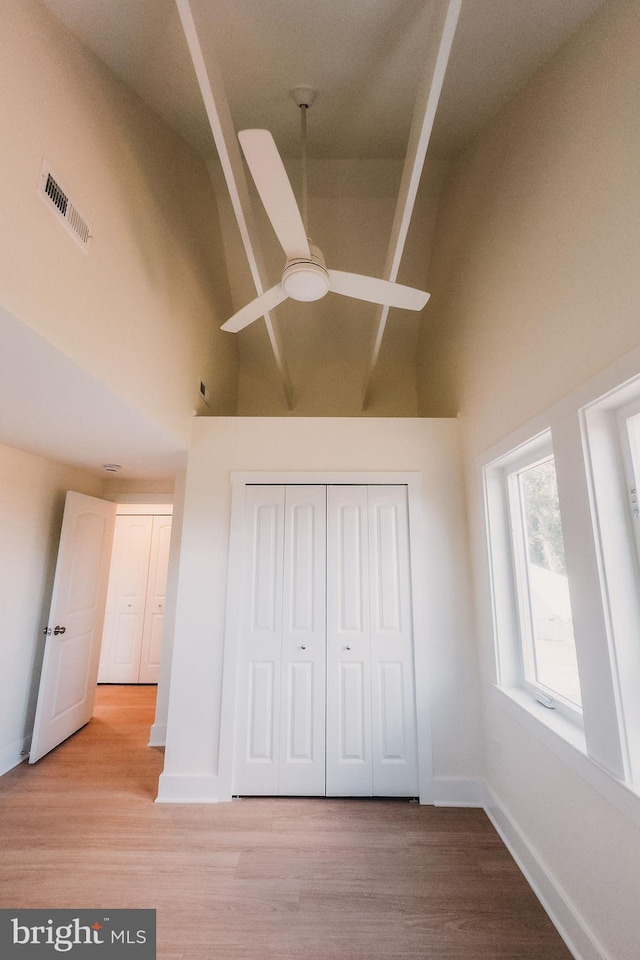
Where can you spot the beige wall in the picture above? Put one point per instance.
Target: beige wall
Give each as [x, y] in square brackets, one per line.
[140, 310]
[32, 494]
[535, 288]
[534, 278]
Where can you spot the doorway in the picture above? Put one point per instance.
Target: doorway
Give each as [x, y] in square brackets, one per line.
[134, 615]
[67, 687]
[326, 684]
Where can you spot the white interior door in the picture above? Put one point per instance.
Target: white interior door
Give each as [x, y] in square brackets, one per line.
[302, 718]
[257, 751]
[134, 618]
[280, 733]
[349, 750]
[74, 631]
[326, 701]
[155, 600]
[126, 600]
[393, 712]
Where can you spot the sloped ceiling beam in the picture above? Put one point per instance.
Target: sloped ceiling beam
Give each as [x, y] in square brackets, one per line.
[445, 21]
[224, 134]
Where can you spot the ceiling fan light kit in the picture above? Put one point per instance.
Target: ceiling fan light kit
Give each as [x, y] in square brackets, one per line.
[305, 276]
[307, 280]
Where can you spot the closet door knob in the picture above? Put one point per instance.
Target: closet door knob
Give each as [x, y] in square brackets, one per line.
[303, 647]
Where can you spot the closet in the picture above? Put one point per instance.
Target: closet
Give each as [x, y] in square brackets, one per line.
[326, 698]
[132, 637]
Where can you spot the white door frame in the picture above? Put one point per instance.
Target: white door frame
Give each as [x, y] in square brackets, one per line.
[413, 482]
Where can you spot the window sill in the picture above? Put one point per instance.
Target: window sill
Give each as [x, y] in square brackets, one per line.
[567, 741]
[554, 720]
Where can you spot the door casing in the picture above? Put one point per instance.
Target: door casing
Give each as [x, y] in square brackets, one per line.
[239, 482]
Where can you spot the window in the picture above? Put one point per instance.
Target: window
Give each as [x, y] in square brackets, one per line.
[611, 439]
[563, 539]
[535, 646]
[546, 626]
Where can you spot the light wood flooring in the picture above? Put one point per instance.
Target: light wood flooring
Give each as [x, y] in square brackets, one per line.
[258, 879]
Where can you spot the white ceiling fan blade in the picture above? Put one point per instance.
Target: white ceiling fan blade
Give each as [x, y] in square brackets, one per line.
[256, 309]
[270, 176]
[377, 291]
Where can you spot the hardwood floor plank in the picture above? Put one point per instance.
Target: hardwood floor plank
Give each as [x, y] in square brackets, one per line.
[258, 879]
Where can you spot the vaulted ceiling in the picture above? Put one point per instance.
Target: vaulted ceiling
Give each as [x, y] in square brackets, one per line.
[368, 61]
[364, 58]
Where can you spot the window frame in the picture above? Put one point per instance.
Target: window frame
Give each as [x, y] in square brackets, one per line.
[527, 633]
[510, 593]
[612, 458]
[630, 466]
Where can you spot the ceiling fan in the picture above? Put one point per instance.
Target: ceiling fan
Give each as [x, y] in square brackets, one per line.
[305, 276]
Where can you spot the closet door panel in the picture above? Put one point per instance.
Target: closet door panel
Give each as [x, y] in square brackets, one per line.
[260, 740]
[155, 600]
[257, 751]
[349, 759]
[395, 771]
[302, 733]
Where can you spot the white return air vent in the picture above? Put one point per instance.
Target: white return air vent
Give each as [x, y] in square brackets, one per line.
[58, 200]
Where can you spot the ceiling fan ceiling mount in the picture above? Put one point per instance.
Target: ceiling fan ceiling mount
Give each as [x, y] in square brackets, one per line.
[303, 95]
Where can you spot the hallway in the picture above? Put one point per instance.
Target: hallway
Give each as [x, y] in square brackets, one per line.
[257, 879]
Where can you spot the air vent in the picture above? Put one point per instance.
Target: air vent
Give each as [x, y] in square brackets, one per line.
[204, 392]
[58, 200]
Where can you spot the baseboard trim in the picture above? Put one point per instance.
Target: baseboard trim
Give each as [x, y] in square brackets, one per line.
[567, 921]
[174, 788]
[12, 755]
[158, 735]
[456, 792]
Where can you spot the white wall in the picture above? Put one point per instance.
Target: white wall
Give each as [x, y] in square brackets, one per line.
[535, 288]
[224, 445]
[32, 494]
[140, 310]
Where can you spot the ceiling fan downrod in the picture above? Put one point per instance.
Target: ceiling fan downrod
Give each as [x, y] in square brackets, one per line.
[304, 97]
[303, 153]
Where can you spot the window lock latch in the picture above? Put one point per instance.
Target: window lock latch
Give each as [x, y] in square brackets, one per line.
[545, 701]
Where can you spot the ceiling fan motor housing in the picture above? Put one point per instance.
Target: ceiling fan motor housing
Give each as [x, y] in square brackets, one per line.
[306, 279]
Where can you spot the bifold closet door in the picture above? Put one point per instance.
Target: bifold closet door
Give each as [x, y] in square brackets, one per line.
[371, 717]
[132, 638]
[155, 600]
[349, 756]
[126, 599]
[280, 735]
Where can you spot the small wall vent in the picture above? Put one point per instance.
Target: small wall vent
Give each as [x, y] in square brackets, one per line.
[204, 392]
[57, 199]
